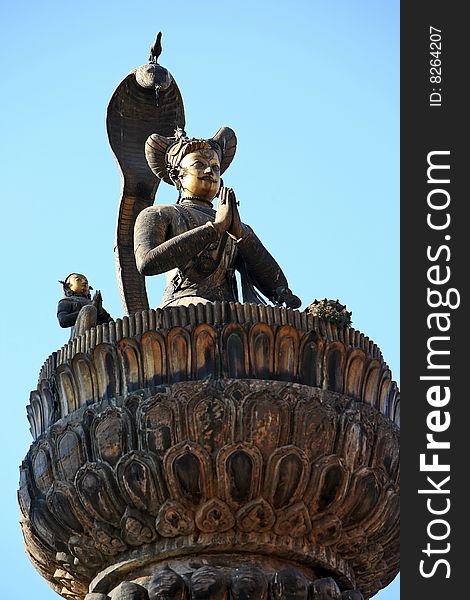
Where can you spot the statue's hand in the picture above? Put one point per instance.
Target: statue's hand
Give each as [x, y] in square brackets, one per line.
[236, 229]
[223, 216]
[97, 300]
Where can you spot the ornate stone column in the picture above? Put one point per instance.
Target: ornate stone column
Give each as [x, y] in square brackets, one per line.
[214, 451]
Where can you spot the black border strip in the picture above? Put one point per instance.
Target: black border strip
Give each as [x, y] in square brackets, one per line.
[430, 124]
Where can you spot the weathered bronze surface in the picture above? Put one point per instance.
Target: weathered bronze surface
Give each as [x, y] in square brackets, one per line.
[179, 435]
[207, 449]
[132, 116]
[199, 248]
[78, 309]
[215, 340]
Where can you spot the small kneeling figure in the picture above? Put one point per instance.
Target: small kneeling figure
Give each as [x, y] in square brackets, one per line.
[78, 309]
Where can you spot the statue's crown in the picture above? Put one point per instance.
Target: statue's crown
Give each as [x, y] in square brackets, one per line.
[165, 153]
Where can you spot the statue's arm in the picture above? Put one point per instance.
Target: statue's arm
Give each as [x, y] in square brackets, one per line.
[155, 254]
[65, 314]
[265, 272]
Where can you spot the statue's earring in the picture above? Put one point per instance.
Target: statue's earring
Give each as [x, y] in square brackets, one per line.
[176, 180]
[173, 174]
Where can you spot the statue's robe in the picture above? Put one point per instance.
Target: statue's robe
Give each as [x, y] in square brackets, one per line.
[180, 241]
[70, 313]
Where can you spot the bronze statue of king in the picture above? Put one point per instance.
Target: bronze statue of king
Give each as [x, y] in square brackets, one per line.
[200, 248]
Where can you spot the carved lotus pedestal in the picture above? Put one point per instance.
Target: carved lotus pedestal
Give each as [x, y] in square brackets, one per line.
[218, 451]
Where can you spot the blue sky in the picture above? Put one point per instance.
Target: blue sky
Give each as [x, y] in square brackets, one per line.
[311, 89]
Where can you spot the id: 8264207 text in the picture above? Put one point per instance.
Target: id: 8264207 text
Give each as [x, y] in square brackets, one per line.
[435, 66]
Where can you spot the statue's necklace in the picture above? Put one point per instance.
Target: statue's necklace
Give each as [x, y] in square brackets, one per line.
[189, 202]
